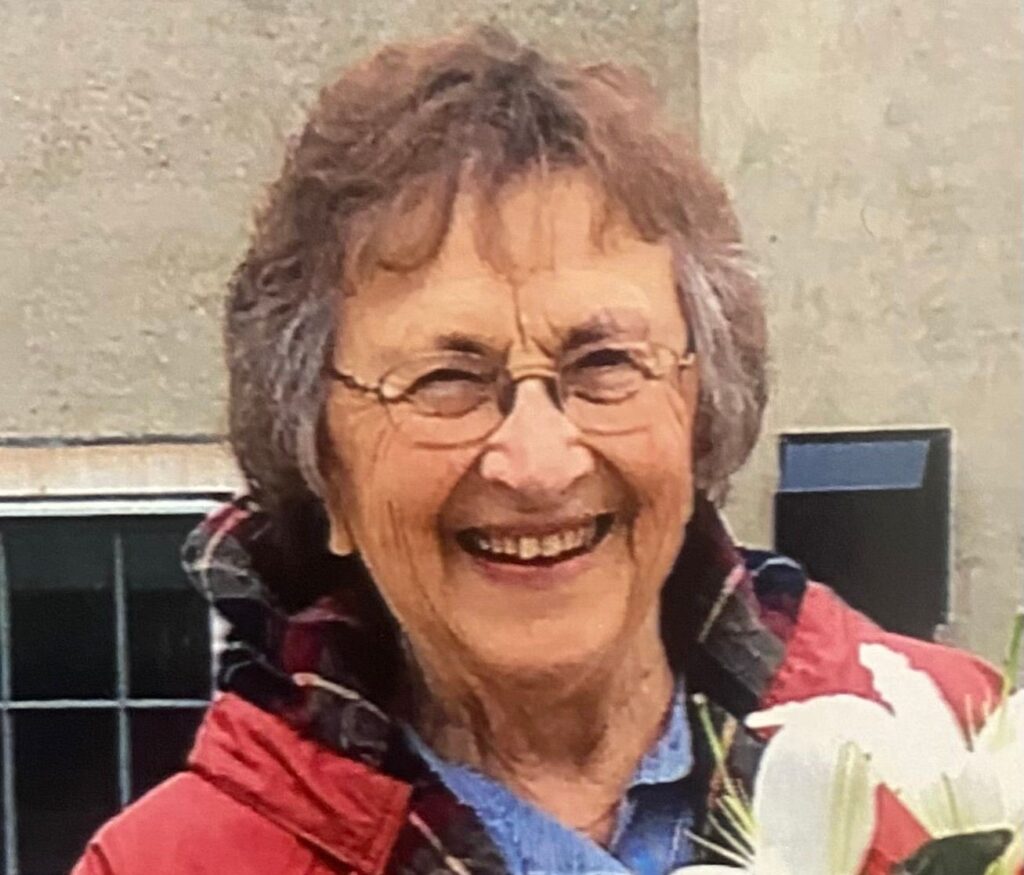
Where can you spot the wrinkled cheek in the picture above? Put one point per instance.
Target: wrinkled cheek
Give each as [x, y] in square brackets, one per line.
[405, 492]
[400, 551]
[400, 499]
[656, 463]
[657, 460]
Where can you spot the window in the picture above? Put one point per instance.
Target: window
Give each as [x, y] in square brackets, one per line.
[868, 512]
[105, 666]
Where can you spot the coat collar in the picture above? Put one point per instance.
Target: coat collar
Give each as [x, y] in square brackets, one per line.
[342, 807]
[726, 617]
[330, 668]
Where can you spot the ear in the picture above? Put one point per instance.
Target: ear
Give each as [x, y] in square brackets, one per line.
[339, 535]
[689, 386]
[701, 445]
[340, 541]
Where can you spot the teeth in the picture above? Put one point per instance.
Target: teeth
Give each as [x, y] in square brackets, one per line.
[530, 547]
[550, 545]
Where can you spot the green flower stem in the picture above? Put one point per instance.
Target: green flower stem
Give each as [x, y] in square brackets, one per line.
[733, 801]
[1011, 665]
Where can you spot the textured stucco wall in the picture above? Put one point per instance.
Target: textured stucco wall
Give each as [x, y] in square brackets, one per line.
[875, 151]
[135, 137]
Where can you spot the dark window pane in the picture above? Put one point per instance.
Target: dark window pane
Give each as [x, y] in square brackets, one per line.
[66, 784]
[168, 621]
[62, 607]
[3, 810]
[161, 741]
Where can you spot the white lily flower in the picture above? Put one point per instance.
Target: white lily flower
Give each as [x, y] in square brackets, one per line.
[951, 783]
[813, 810]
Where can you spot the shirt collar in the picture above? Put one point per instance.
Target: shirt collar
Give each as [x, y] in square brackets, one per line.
[671, 757]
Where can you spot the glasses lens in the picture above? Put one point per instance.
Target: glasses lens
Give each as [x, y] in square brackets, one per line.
[436, 431]
[443, 399]
[603, 386]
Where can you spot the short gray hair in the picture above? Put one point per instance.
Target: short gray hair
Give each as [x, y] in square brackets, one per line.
[391, 138]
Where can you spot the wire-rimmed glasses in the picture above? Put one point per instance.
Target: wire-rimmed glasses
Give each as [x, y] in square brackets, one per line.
[447, 398]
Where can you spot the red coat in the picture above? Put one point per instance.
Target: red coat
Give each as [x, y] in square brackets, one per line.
[259, 798]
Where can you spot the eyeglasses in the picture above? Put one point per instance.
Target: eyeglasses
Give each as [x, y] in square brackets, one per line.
[445, 399]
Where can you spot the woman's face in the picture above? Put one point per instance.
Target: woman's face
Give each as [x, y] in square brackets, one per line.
[456, 537]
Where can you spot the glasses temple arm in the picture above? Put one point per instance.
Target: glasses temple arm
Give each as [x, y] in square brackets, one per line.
[350, 381]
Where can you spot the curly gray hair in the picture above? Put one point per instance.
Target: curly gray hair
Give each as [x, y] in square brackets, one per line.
[386, 145]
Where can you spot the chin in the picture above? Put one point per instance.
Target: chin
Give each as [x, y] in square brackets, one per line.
[570, 646]
[532, 619]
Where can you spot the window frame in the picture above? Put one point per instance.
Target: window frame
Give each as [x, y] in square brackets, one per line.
[188, 502]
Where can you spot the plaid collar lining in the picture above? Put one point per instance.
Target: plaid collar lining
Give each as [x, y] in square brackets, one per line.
[329, 668]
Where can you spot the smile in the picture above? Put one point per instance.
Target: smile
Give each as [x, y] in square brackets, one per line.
[541, 547]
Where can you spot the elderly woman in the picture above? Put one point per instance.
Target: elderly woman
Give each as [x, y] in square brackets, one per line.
[494, 354]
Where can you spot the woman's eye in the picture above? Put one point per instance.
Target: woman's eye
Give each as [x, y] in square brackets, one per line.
[604, 375]
[608, 357]
[446, 378]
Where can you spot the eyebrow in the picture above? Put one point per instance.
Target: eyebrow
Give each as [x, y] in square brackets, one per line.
[605, 325]
[457, 341]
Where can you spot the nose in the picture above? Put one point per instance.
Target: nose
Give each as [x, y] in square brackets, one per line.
[536, 450]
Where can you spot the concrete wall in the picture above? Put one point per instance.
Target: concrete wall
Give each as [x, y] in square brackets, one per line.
[135, 138]
[873, 149]
[875, 152]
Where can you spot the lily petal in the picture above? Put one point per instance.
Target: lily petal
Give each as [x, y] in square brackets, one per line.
[823, 825]
[844, 718]
[840, 747]
[841, 716]
[964, 801]
[1001, 744]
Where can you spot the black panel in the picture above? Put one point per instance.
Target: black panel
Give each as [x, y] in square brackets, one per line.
[168, 621]
[884, 548]
[66, 784]
[62, 607]
[161, 741]
[3, 809]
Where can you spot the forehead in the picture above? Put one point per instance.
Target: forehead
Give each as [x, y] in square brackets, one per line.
[547, 256]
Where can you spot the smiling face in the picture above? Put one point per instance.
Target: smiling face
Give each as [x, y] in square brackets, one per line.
[542, 546]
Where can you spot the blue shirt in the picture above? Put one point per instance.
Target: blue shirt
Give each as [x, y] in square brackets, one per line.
[650, 834]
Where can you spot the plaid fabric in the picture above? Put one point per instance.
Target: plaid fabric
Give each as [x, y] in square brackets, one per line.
[334, 668]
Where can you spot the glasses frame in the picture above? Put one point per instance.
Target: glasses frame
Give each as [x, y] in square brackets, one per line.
[508, 381]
